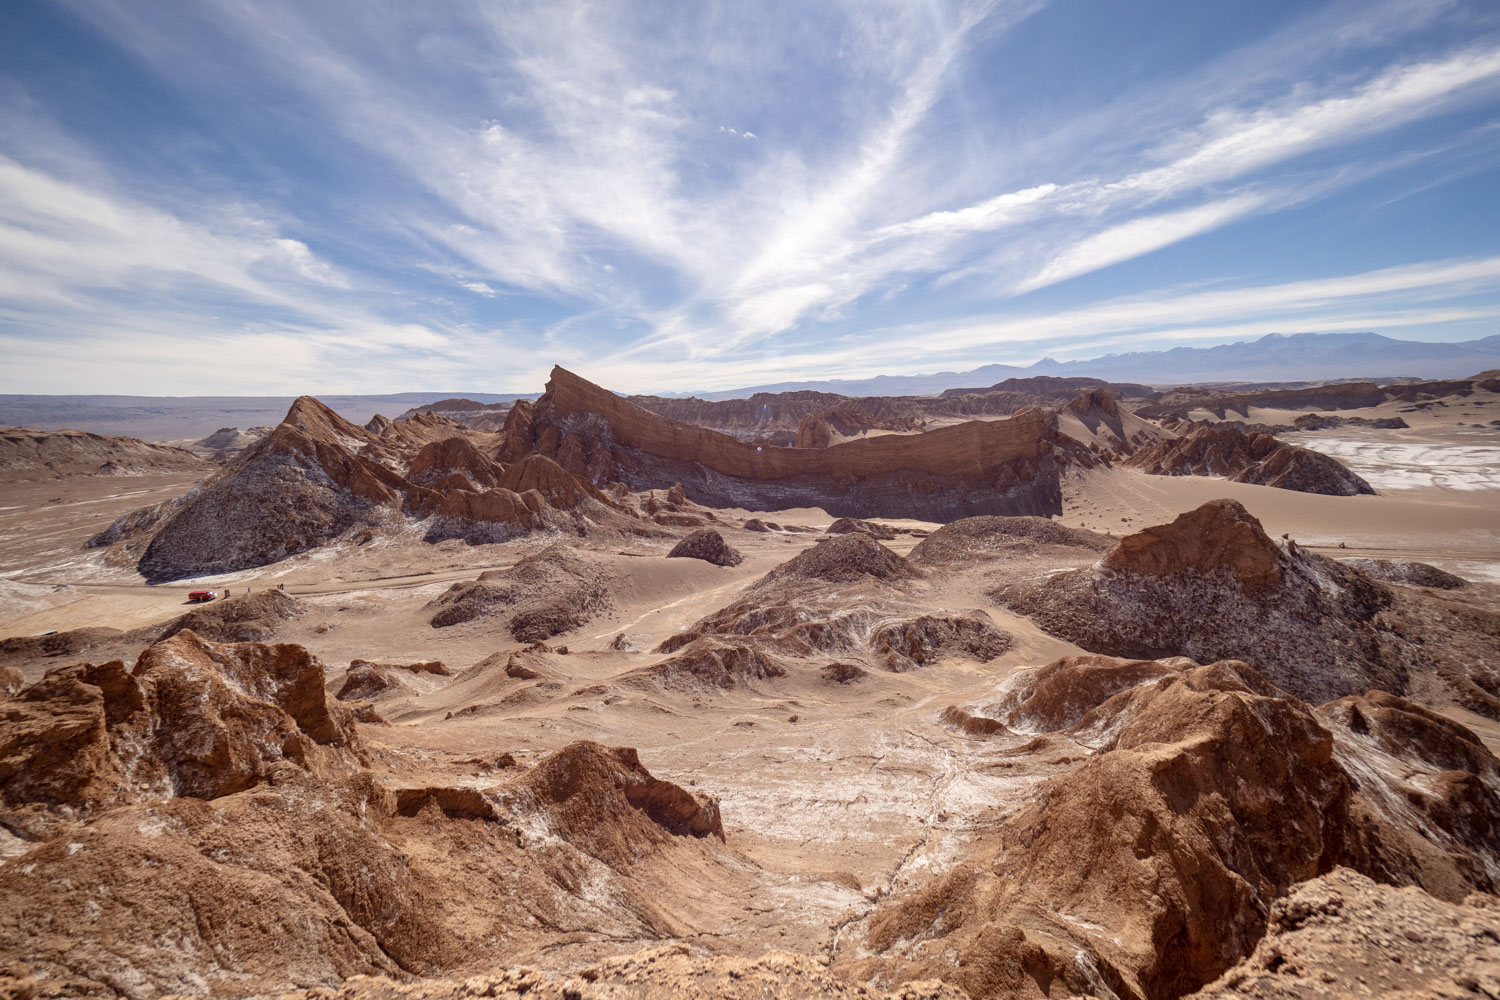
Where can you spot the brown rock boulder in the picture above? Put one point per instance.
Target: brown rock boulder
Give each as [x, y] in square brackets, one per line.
[708, 545]
[1220, 536]
[845, 525]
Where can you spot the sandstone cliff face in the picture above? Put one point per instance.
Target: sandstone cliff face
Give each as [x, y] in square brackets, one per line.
[1148, 870]
[1249, 458]
[1212, 585]
[976, 468]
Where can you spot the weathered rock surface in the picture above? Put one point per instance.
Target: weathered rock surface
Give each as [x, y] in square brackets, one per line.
[1342, 935]
[1416, 574]
[844, 559]
[982, 467]
[1249, 458]
[545, 594]
[453, 456]
[708, 545]
[845, 525]
[1149, 869]
[1212, 585]
[193, 718]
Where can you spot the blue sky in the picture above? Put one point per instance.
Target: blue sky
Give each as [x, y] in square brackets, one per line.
[219, 196]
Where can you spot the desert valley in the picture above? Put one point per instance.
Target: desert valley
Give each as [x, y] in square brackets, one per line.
[1055, 687]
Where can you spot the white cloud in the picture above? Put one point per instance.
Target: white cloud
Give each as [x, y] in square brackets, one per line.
[479, 288]
[1138, 237]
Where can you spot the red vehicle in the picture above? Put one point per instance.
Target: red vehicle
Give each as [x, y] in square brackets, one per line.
[203, 595]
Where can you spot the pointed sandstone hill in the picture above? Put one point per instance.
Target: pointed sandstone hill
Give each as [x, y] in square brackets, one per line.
[1212, 585]
[1249, 458]
[982, 467]
[316, 476]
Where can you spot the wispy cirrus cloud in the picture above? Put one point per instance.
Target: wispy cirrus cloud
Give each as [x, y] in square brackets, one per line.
[579, 182]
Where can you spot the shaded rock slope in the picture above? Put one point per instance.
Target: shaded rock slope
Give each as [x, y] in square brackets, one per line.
[1212, 585]
[1249, 458]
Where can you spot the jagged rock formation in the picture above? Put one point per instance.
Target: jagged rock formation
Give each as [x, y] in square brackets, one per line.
[708, 545]
[301, 486]
[316, 477]
[1340, 935]
[205, 823]
[1148, 870]
[1212, 585]
[799, 610]
[28, 454]
[554, 591]
[983, 467]
[192, 718]
[1095, 420]
[1249, 458]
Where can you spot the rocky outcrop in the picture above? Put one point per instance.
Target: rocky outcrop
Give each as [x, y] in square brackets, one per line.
[1148, 870]
[604, 802]
[545, 594]
[1212, 585]
[28, 454]
[1249, 458]
[982, 467]
[843, 559]
[248, 617]
[454, 456]
[300, 487]
[845, 525]
[1416, 574]
[708, 545]
[193, 718]
[1342, 935]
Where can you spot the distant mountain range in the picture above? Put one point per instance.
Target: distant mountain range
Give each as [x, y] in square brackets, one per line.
[179, 418]
[1273, 358]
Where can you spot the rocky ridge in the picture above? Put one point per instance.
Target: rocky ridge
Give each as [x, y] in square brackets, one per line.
[1212, 585]
[1249, 458]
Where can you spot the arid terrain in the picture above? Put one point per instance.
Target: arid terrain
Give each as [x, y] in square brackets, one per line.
[1054, 688]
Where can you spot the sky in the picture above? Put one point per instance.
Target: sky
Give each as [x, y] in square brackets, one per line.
[224, 197]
